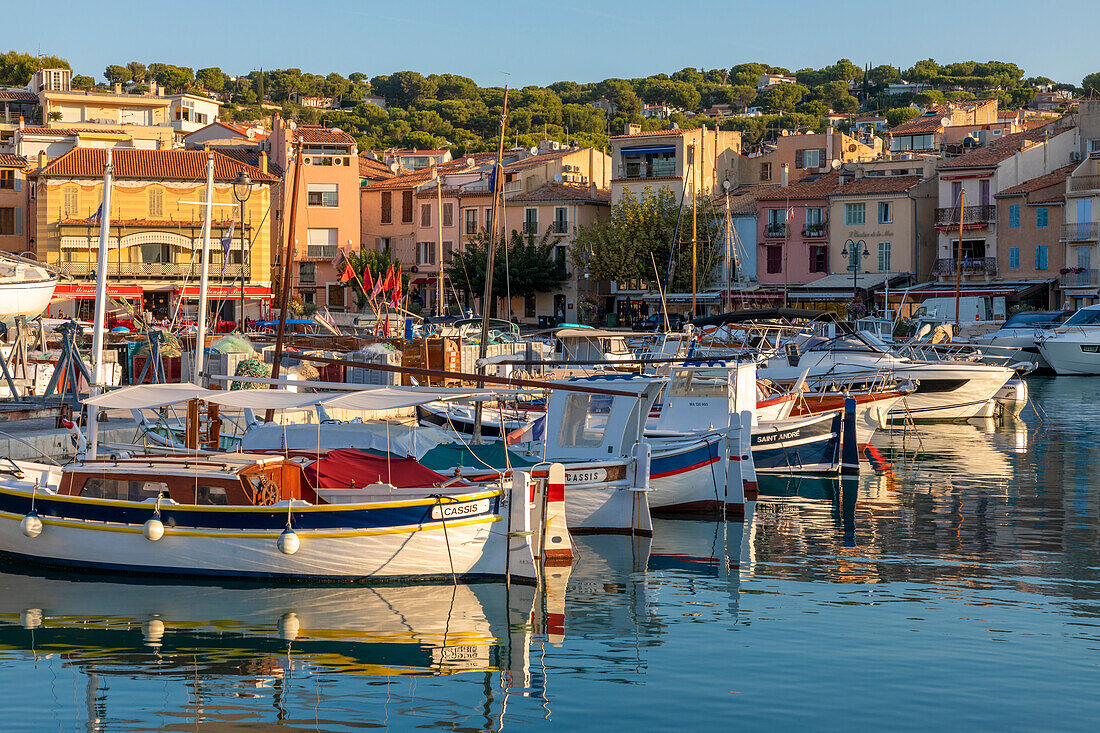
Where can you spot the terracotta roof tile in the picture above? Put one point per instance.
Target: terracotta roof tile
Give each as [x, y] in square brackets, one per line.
[537, 160]
[817, 188]
[373, 169]
[871, 185]
[323, 135]
[188, 165]
[996, 151]
[7, 160]
[18, 95]
[1050, 179]
[40, 130]
[651, 133]
[554, 191]
[414, 179]
[250, 156]
[743, 198]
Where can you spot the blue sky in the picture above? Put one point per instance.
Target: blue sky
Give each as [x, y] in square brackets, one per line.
[539, 43]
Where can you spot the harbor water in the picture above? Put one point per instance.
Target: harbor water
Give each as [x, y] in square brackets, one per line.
[954, 585]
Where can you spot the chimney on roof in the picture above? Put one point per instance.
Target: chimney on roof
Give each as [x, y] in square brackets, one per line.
[117, 87]
[592, 189]
[41, 159]
[860, 172]
[632, 128]
[21, 122]
[785, 174]
[154, 88]
[263, 161]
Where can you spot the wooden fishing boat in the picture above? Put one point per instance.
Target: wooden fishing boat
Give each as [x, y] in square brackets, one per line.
[245, 515]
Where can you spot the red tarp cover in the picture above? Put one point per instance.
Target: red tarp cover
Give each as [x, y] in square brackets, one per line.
[343, 467]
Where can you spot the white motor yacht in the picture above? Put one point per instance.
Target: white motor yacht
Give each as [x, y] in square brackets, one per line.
[946, 389]
[1073, 347]
[25, 287]
[1015, 340]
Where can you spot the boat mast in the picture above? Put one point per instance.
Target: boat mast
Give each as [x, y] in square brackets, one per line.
[284, 284]
[694, 227]
[439, 248]
[729, 251]
[958, 259]
[100, 322]
[204, 270]
[498, 172]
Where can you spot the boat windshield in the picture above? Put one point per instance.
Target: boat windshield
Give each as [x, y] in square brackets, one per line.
[1085, 317]
[584, 420]
[1036, 319]
[691, 383]
[847, 342]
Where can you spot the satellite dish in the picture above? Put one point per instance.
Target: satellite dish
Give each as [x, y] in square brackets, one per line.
[394, 167]
[533, 150]
[726, 185]
[557, 177]
[469, 162]
[835, 163]
[945, 121]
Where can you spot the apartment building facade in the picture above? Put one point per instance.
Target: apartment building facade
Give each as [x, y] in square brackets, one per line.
[15, 227]
[328, 220]
[675, 159]
[156, 230]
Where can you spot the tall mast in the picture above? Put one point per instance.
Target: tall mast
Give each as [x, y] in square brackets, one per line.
[204, 270]
[729, 251]
[490, 255]
[958, 259]
[439, 249]
[694, 225]
[100, 323]
[284, 285]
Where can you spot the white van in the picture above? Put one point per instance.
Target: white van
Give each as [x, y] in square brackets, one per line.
[972, 309]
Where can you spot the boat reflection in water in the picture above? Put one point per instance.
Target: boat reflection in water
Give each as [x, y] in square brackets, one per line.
[263, 635]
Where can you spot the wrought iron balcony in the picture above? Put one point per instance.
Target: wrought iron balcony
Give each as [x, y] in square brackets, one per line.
[970, 266]
[815, 231]
[152, 270]
[776, 231]
[1084, 183]
[971, 215]
[1081, 231]
[1079, 277]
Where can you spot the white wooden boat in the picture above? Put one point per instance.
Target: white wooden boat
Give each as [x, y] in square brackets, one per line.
[25, 288]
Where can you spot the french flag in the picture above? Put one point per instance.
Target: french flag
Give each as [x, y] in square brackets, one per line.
[534, 430]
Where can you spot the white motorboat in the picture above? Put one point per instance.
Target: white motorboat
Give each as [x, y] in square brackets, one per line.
[946, 389]
[25, 287]
[1016, 339]
[1073, 347]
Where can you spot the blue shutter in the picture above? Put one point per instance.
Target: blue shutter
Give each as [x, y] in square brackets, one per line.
[18, 218]
[18, 180]
[1013, 258]
[1014, 215]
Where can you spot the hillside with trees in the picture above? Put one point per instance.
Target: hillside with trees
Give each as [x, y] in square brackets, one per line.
[453, 111]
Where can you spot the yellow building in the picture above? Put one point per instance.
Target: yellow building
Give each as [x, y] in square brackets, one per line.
[156, 228]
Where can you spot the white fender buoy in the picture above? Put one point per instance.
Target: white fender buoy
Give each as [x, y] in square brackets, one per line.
[31, 618]
[153, 529]
[31, 524]
[289, 542]
[153, 631]
[288, 626]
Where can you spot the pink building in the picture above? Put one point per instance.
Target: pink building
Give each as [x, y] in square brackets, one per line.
[792, 231]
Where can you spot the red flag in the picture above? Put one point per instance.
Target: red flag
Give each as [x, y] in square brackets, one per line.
[348, 273]
[397, 289]
[377, 286]
[368, 282]
[388, 285]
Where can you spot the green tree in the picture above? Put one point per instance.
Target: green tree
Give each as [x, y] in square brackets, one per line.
[929, 98]
[641, 232]
[846, 104]
[1091, 85]
[137, 71]
[116, 74]
[82, 82]
[898, 115]
[529, 266]
[781, 97]
[16, 69]
[881, 76]
[211, 78]
[378, 263]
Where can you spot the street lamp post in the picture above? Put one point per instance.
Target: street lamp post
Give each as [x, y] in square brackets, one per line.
[242, 191]
[855, 261]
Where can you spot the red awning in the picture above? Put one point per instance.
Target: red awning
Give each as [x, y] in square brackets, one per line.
[932, 292]
[191, 292]
[346, 467]
[66, 291]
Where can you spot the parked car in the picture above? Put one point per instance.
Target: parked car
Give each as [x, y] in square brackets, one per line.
[656, 322]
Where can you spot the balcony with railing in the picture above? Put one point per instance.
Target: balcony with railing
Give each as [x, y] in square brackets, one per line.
[1084, 183]
[1079, 277]
[815, 231]
[646, 169]
[1081, 231]
[152, 270]
[972, 216]
[776, 231]
[321, 251]
[970, 266]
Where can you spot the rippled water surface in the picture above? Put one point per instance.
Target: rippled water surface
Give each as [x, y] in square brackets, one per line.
[953, 586]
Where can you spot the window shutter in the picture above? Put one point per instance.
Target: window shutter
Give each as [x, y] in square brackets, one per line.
[18, 217]
[18, 180]
[822, 161]
[798, 159]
